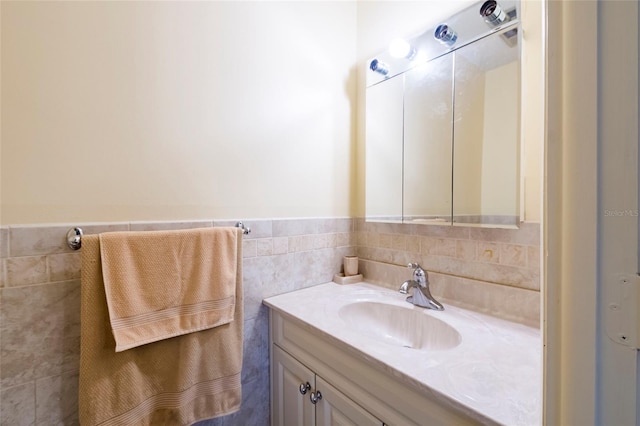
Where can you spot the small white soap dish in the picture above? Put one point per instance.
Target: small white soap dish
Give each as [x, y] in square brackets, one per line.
[341, 279]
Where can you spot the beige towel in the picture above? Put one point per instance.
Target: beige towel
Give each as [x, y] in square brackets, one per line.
[176, 381]
[167, 283]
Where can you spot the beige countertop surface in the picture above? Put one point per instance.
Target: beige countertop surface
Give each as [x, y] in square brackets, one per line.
[494, 373]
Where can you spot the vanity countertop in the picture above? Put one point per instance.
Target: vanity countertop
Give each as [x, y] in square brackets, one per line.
[494, 374]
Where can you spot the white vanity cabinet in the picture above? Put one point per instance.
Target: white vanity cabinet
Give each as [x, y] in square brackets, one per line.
[354, 391]
[294, 387]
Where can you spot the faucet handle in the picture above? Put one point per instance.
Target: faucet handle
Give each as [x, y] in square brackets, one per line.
[419, 275]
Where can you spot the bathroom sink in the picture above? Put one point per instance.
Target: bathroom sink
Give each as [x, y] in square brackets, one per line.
[395, 325]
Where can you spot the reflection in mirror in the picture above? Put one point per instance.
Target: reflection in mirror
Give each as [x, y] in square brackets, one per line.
[427, 141]
[486, 131]
[384, 150]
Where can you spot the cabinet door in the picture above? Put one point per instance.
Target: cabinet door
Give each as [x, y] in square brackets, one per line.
[290, 407]
[335, 409]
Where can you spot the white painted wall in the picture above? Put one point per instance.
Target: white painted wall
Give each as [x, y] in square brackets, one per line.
[617, 203]
[176, 110]
[591, 167]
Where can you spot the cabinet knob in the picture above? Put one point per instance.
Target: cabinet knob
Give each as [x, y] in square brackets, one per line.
[315, 397]
[304, 388]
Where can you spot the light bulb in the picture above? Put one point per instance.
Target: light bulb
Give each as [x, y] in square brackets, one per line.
[399, 48]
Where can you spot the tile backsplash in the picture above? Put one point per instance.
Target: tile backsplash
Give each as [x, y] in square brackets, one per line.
[490, 270]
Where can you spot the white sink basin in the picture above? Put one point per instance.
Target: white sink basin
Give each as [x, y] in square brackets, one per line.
[395, 325]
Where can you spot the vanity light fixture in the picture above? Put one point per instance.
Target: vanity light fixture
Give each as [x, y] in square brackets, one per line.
[379, 67]
[445, 35]
[400, 48]
[493, 13]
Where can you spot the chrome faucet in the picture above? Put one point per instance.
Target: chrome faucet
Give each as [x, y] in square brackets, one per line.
[421, 295]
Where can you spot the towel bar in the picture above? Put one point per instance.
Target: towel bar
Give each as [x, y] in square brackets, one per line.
[74, 235]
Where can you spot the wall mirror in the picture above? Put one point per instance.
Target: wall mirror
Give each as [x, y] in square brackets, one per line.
[443, 123]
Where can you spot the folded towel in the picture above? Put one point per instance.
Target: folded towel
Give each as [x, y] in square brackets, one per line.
[176, 381]
[167, 283]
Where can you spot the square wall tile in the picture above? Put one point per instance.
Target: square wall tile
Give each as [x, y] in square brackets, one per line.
[64, 267]
[527, 234]
[446, 247]
[335, 225]
[466, 250]
[443, 231]
[390, 228]
[249, 248]
[218, 421]
[373, 240]
[26, 270]
[510, 303]
[3, 273]
[279, 275]
[57, 400]
[38, 240]
[40, 327]
[18, 405]
[290, 227]
[280, 245]
[513, 255]
[429, 245]
[255, 408]
[264, 246]
[42, 240]
[99, 228]
[299, 243]
[386, 240]
[413, 244]
[4, 242]
[533, 257]
[255, 272]
[488, 252]
[256, 347]
[399, 242]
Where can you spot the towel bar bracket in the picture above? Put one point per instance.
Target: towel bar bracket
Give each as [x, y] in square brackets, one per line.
[74, 238]
[245, 229]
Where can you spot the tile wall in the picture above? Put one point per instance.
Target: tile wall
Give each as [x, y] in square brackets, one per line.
[40, 308]
[491, 270]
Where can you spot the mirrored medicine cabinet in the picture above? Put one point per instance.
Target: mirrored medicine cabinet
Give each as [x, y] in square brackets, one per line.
[443, 123]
